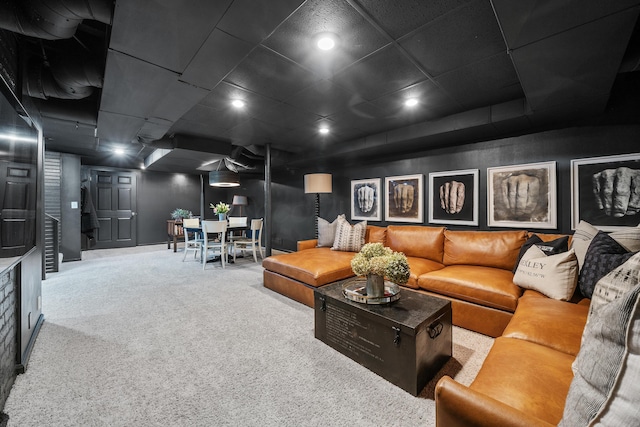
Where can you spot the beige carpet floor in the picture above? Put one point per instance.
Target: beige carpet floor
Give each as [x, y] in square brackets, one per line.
[136, 337]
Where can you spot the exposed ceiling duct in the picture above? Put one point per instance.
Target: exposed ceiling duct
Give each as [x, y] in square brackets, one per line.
[52, 19]
[65, 78]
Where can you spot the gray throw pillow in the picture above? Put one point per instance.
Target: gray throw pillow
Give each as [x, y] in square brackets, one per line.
[327, 231]
[606, 385]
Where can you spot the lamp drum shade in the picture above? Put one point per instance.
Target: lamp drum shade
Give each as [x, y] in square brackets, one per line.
[224, 178]
[318, 183]
[239, 201]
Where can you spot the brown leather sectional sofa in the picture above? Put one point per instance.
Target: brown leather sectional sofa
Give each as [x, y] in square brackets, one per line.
[473, 269]
[526, 376]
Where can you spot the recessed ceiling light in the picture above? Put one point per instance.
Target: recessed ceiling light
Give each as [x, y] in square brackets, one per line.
[411, 102]
[326, 43]
[324, 130]
[238, 103]
[118, 151]
[326, 40]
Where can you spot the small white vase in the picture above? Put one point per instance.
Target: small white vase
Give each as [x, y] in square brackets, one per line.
[222, 217]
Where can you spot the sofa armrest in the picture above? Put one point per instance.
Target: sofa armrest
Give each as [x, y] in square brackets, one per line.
[307, 244]
[458, 405]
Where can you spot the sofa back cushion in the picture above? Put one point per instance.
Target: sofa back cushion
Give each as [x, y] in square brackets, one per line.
[498, 249]
[376, 234]
[417, 241]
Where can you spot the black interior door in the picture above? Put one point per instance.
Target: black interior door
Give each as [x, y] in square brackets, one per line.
[17, 215]
[114, 197]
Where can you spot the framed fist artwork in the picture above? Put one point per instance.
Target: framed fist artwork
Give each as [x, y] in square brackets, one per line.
[453, 197]
[404, 198]
[522, 196]
[365, 199]
[605, 191]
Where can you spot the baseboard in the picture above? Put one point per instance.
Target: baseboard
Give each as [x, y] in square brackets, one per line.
[21, 367]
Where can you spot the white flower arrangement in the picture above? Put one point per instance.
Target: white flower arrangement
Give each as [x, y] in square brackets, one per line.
[375, 258]
[220, 208]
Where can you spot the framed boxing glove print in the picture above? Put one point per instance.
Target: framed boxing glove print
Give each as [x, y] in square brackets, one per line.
[522, 196]
[453, 197]
[605, 191]
[366, 203]
[404, 198]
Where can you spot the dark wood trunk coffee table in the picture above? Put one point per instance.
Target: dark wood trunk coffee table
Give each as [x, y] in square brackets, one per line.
[406, 341]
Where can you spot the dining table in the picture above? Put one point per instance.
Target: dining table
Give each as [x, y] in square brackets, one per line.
[231, 228]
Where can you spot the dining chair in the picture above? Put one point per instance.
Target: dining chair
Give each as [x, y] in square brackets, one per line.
[237, 226]
[192, 240]
[252, 241]
[214, 234]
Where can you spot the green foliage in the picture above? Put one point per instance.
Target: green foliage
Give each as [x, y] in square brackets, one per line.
[179, 213]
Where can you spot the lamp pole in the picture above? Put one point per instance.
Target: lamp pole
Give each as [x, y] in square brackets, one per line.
[317, 183]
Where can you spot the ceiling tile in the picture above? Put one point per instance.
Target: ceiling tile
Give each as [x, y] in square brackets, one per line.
[524, 22]
[400, 17]
[153, 129]
[254, 132]
[125, 92]
[221, 119]
[167, 34]
[220, 54]
[364, 115]
[221, 96]
[324, 98]
[432, 102]
[296, 36]
[576, 65]
[306, 140]
[385, 71]
[253, 21]
[179, 97]
[467, 35]
[205, 129]
[271, 75]
[118, 127]
[490, 81]
[287, 116]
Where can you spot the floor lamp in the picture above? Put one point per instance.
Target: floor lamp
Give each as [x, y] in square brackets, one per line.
[240, 201]
[317, 183]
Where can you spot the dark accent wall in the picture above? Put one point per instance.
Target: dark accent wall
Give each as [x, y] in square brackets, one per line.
[70, 214]
[293, 210]
[158, 195]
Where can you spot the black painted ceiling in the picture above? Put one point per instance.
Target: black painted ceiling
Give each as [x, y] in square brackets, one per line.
[480, 68]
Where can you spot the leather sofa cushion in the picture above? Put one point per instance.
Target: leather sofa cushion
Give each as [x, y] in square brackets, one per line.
[315, 267]
[307, 244]
[497, 249]
[419, 266]
[530, 377]
[549, 322]
[491, 287]
[417, 241]
[376, 234]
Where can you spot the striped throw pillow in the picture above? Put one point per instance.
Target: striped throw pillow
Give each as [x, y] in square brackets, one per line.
[349, 238]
